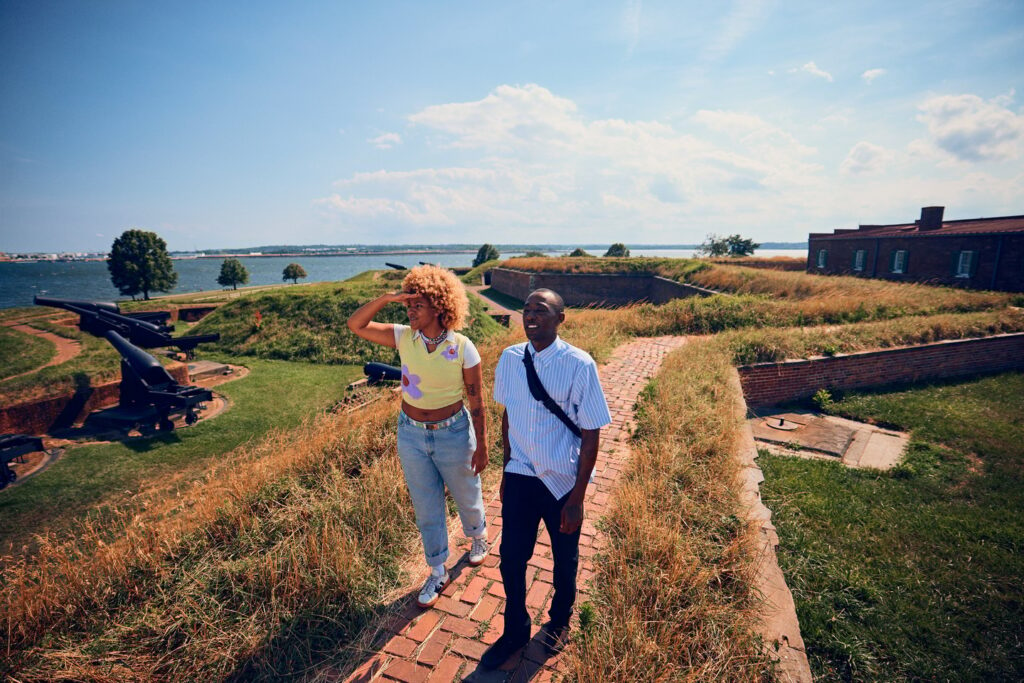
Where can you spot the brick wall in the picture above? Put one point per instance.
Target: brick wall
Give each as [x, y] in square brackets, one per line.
[44, 415]
[768, 384]
[587, 289]
[929, 259]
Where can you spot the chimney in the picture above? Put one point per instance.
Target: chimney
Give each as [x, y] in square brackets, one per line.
[931, 218]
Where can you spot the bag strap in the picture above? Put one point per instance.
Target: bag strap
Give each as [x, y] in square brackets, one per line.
[538, 391]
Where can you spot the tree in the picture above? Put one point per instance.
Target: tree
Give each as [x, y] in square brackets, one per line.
[232, 273]
[617, 249]
[488, 252]
[532, 254]
[293, 271]
[579, 251]
[733, 245]
[139, 264]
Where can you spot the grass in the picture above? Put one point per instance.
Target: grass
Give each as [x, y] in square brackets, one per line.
[766, 345]
[258, 570]
[97, 362]
[109, 473]
[310, 325]
[777, 298]
[23, 352]
[274, 558]
[912, 574]
[674, 596]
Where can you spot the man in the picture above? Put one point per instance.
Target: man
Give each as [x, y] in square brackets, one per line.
[547, 467]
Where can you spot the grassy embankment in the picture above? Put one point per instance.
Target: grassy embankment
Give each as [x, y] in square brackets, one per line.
[23, 352]
[674, 595]
[264, 598]
[93, 478]
[912, 574]
[177, 543]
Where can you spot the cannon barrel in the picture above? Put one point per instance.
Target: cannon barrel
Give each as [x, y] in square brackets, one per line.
[147, 368]
[76, 305]
[396, 266]
[377, 372]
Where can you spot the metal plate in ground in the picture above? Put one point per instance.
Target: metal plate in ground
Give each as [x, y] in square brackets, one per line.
[813, 433]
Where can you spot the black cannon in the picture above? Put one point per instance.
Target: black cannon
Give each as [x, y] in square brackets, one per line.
[396, 266]
[144, 382]
[14, 446]
[379, 372]
[147, 330]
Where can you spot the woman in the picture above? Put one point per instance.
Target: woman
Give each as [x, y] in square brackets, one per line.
[435, 443]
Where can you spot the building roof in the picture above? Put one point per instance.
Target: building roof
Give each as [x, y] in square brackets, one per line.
[971, 226]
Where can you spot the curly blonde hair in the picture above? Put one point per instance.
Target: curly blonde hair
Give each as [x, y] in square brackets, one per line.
[443, 290]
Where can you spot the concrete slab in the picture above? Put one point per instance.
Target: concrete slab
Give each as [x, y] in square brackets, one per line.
[811, 435]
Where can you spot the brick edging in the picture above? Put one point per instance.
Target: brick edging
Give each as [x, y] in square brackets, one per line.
[779, 625]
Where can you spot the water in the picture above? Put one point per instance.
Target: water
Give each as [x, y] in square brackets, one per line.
[90, 280]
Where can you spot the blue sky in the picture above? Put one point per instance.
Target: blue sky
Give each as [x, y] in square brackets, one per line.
[238, 124]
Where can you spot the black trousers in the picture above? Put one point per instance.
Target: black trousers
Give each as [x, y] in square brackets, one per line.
[525, 503]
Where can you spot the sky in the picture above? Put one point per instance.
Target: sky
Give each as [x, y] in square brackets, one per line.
[219, 124]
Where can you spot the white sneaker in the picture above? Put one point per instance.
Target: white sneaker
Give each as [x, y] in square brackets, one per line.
[431, 590]
[479, 551]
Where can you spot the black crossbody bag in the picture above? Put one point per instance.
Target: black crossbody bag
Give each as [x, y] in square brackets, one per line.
[538, 391]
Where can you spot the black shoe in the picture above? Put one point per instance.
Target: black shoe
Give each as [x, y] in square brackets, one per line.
[503, 648]
[554, 637]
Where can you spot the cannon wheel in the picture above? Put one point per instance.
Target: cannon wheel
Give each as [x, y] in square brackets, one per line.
[191, 417]
[165, 424]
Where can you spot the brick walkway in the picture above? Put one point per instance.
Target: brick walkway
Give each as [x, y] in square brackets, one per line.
[445, 643]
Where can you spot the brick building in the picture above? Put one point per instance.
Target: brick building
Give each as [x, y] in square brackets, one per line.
[979, 253]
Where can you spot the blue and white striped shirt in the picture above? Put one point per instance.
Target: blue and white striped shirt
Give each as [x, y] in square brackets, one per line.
[541, 445]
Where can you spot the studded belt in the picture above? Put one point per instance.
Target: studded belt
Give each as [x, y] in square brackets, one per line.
[441, 424]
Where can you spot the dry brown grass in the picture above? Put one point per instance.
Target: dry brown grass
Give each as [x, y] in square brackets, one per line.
[845, 292]
[777, 344]
[793, 263]
[273, 562]
[108, 576]
[675, 597]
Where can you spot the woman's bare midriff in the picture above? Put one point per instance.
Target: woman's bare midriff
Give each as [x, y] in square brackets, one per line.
[432, 414]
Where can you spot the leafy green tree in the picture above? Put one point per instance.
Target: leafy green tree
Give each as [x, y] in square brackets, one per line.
[232, 273]
[733, 245]
[486, 253]
[139, 264]
[293, 271]
[580, 251]
[617, 249]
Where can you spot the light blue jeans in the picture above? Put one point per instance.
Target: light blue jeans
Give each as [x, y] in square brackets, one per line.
[431, 459]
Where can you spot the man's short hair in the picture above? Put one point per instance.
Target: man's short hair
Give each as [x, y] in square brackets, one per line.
[555, 297]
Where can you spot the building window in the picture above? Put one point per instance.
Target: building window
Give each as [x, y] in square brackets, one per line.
[898, 263]
[822, 258]
[965, 263]
[859, 257]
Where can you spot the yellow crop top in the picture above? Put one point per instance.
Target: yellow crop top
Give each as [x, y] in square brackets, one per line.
[433, 379]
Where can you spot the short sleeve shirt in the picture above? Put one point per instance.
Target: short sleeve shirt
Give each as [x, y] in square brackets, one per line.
[541, 445]
[433, 379]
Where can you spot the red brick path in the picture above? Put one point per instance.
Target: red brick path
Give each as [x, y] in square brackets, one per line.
[445, 643]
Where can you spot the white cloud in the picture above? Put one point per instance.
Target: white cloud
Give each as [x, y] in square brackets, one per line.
[865, 157]
[539, 163]
[385, 140]
[532, 167]
[871, 74]
[970, 129]
[812, 68]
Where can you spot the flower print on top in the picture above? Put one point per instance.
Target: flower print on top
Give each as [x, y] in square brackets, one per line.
[411, 383]
[451, 352]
